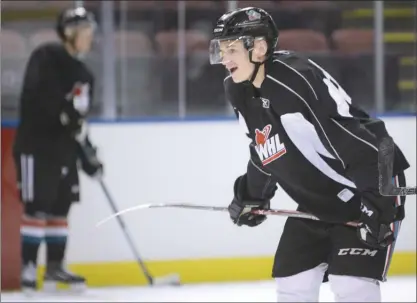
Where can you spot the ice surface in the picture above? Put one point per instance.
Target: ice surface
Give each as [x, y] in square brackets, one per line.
[395, 290]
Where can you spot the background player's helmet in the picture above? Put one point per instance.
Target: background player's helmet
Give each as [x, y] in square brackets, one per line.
[244, 24]
[74, 17]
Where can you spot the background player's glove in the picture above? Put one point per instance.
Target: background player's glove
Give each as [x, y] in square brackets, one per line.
[240, 208]
[87, 154]
[376, 216]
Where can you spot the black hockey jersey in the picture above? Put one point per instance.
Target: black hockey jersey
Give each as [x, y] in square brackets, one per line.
[54, 82]
[306, 135]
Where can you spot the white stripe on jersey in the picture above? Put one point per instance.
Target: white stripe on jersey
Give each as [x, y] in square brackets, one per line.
[312, 112]
[27, 175]
[298, 73]
[304, 136]
[354, 136]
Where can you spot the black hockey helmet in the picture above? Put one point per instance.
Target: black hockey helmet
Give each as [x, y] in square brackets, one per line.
[73, 17]
[246, 24]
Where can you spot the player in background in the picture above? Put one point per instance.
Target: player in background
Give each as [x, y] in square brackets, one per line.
[306, 136]
[52, 138]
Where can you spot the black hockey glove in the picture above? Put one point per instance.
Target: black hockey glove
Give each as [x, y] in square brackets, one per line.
[240, 208]
[377, 213]
[87, 154]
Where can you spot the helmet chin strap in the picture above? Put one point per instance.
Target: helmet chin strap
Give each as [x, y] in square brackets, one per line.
[256, 69]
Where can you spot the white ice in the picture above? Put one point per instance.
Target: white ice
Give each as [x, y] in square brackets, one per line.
[396, 289]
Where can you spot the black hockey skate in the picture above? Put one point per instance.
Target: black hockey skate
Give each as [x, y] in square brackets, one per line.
[28, 282]
[57, 277]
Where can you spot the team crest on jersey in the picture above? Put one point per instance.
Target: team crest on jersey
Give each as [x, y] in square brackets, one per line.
[80, 96]
[268, 149]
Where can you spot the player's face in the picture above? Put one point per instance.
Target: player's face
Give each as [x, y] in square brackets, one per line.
[236, 60]
[84, 38]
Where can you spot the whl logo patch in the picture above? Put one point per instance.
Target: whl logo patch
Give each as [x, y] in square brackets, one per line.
[268, 149]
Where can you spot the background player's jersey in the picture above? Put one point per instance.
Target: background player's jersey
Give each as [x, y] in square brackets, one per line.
[307, 137]
[54, 82]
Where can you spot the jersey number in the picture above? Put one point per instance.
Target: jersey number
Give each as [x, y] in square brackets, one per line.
[338, 94]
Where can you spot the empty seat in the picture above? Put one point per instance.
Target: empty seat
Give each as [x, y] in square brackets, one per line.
[348, 41]
[302, 40]
[296, 4]
[167, 42]
[164, 4]
[96, 4]
[137, 5]
[134, 69]
[58, 5]
[261, 4]
[36, 5]
[12, 44]
[42, 36]
[191, 4]
[322, 16]
[196, 42]
[130, 44]
[9, 5]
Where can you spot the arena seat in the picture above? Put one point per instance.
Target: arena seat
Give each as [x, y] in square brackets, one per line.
[302, 40]
[13, 44]
[167, 42]
[14, 54]
[348, 41]
[42, 36]
[132, 44]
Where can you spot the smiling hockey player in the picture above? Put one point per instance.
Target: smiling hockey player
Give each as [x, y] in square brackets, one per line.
[306, 136]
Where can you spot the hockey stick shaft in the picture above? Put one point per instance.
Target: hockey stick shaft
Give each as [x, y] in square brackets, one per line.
[126, 233]
[272, 212]
[386, 153]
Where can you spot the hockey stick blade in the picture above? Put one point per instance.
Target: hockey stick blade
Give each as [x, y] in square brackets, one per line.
[274, 212]
[386, 153]
[172, 279]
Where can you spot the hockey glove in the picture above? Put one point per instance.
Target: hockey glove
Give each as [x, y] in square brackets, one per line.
[374, 227]
[240, 208]
[87, 154]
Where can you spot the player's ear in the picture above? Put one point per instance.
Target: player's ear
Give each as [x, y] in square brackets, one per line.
[260, 48]
[69, 32]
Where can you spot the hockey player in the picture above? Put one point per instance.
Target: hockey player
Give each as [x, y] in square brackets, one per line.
[51, 137]
[306, 136]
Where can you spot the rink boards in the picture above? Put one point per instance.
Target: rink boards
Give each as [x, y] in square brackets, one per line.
[194, 162]
[206, 270]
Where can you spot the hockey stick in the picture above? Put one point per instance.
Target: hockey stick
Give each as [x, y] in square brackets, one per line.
[274, 212]
[172, 279]
[386, 168]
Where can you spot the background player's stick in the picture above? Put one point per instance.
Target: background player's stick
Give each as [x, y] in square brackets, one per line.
[386, 168]
[172, 279]
[275, 212]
